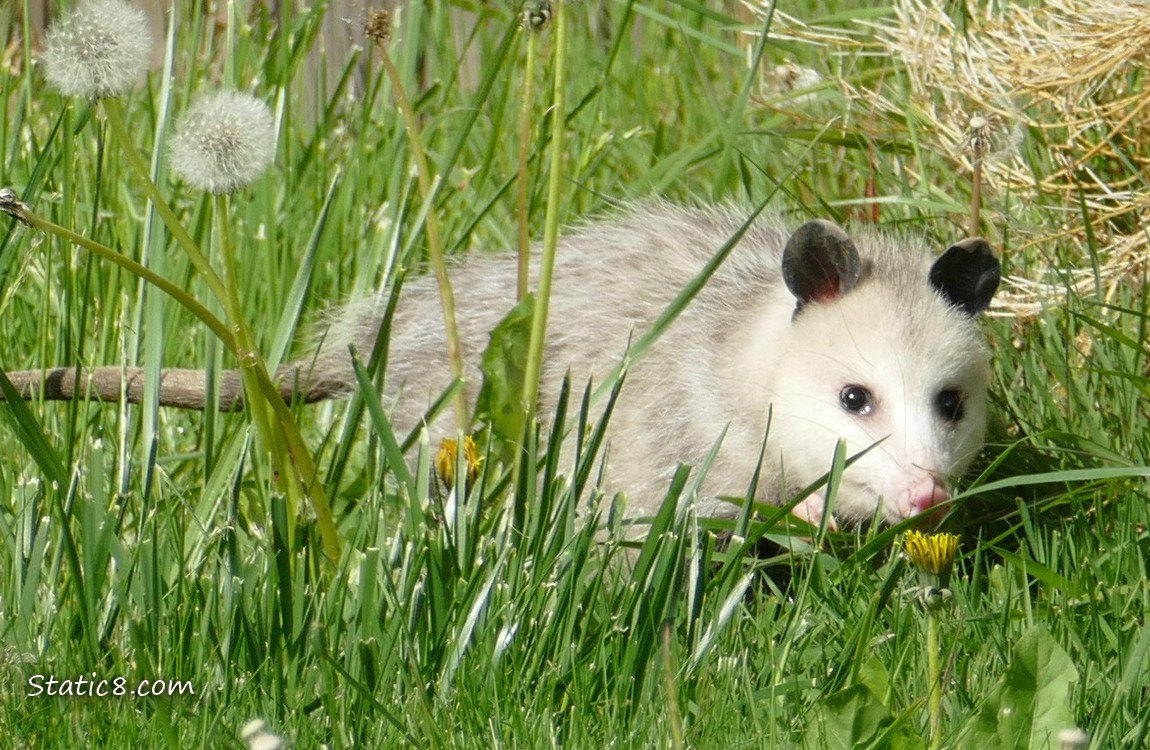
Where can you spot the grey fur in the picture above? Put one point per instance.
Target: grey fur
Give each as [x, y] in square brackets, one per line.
[738, 349]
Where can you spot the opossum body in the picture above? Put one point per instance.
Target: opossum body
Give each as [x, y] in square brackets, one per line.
[864, 340]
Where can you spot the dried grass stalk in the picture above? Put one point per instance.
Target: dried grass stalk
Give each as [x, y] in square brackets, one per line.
[1069, 70]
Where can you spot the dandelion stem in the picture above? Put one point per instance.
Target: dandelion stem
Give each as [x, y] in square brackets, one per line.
[289, 452]
[248, 362]
[301, 468]
[434, 243]
[551, 225]
[524, 153]
[189, 303]
[300, 457]
[303, 463]
[933, 555]
[934, 673]
[976, 198]
[115, 118]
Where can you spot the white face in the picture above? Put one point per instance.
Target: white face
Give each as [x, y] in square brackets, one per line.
[867, 371]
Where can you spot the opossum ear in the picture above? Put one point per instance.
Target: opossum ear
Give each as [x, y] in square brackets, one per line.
[967, 275]
[820, 263]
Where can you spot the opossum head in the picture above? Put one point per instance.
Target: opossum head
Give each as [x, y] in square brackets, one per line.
[883, 352]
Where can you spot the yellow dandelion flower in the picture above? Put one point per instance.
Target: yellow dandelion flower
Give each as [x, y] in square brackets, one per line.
[932, 553]
[448, 455]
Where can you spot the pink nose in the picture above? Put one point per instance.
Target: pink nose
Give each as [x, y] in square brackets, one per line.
[923, 496]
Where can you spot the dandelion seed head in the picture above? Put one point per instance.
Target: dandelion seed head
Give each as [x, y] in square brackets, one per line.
[266, 742]
[99, 49]
[1073, 739]
[252, 728]
[790, 81]
[990, 136]
[979, 138]
[791, 77]
[224, 143]
[378, 27]
[256, 736]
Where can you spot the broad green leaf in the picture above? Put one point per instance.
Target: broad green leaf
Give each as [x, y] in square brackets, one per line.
[848, 719]
[503, 366]
[1030, 705]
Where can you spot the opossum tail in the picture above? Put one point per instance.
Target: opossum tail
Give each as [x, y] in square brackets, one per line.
[180, 388]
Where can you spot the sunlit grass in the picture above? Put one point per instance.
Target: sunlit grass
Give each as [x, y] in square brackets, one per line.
[148, 544]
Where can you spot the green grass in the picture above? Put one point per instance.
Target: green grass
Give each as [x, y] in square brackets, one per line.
[152, 544]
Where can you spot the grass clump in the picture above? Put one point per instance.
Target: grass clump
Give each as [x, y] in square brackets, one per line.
[144, 544]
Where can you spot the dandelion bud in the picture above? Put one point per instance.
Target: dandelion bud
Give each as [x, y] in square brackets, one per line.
[448, 454]
[536, 15]
[99, 49]
[224, 143]
[13, 206]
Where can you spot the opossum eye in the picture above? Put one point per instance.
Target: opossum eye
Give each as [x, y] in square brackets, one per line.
[856, 400]
[949, 404]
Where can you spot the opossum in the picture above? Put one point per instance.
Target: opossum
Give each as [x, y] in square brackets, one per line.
[864, 339]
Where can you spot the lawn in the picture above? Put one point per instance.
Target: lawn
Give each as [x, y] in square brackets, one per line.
[168, 576]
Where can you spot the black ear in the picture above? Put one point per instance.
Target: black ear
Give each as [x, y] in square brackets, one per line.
[967, 275]
[820, 263]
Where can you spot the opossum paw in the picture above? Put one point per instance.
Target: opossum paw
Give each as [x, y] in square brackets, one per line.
[811, 509]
